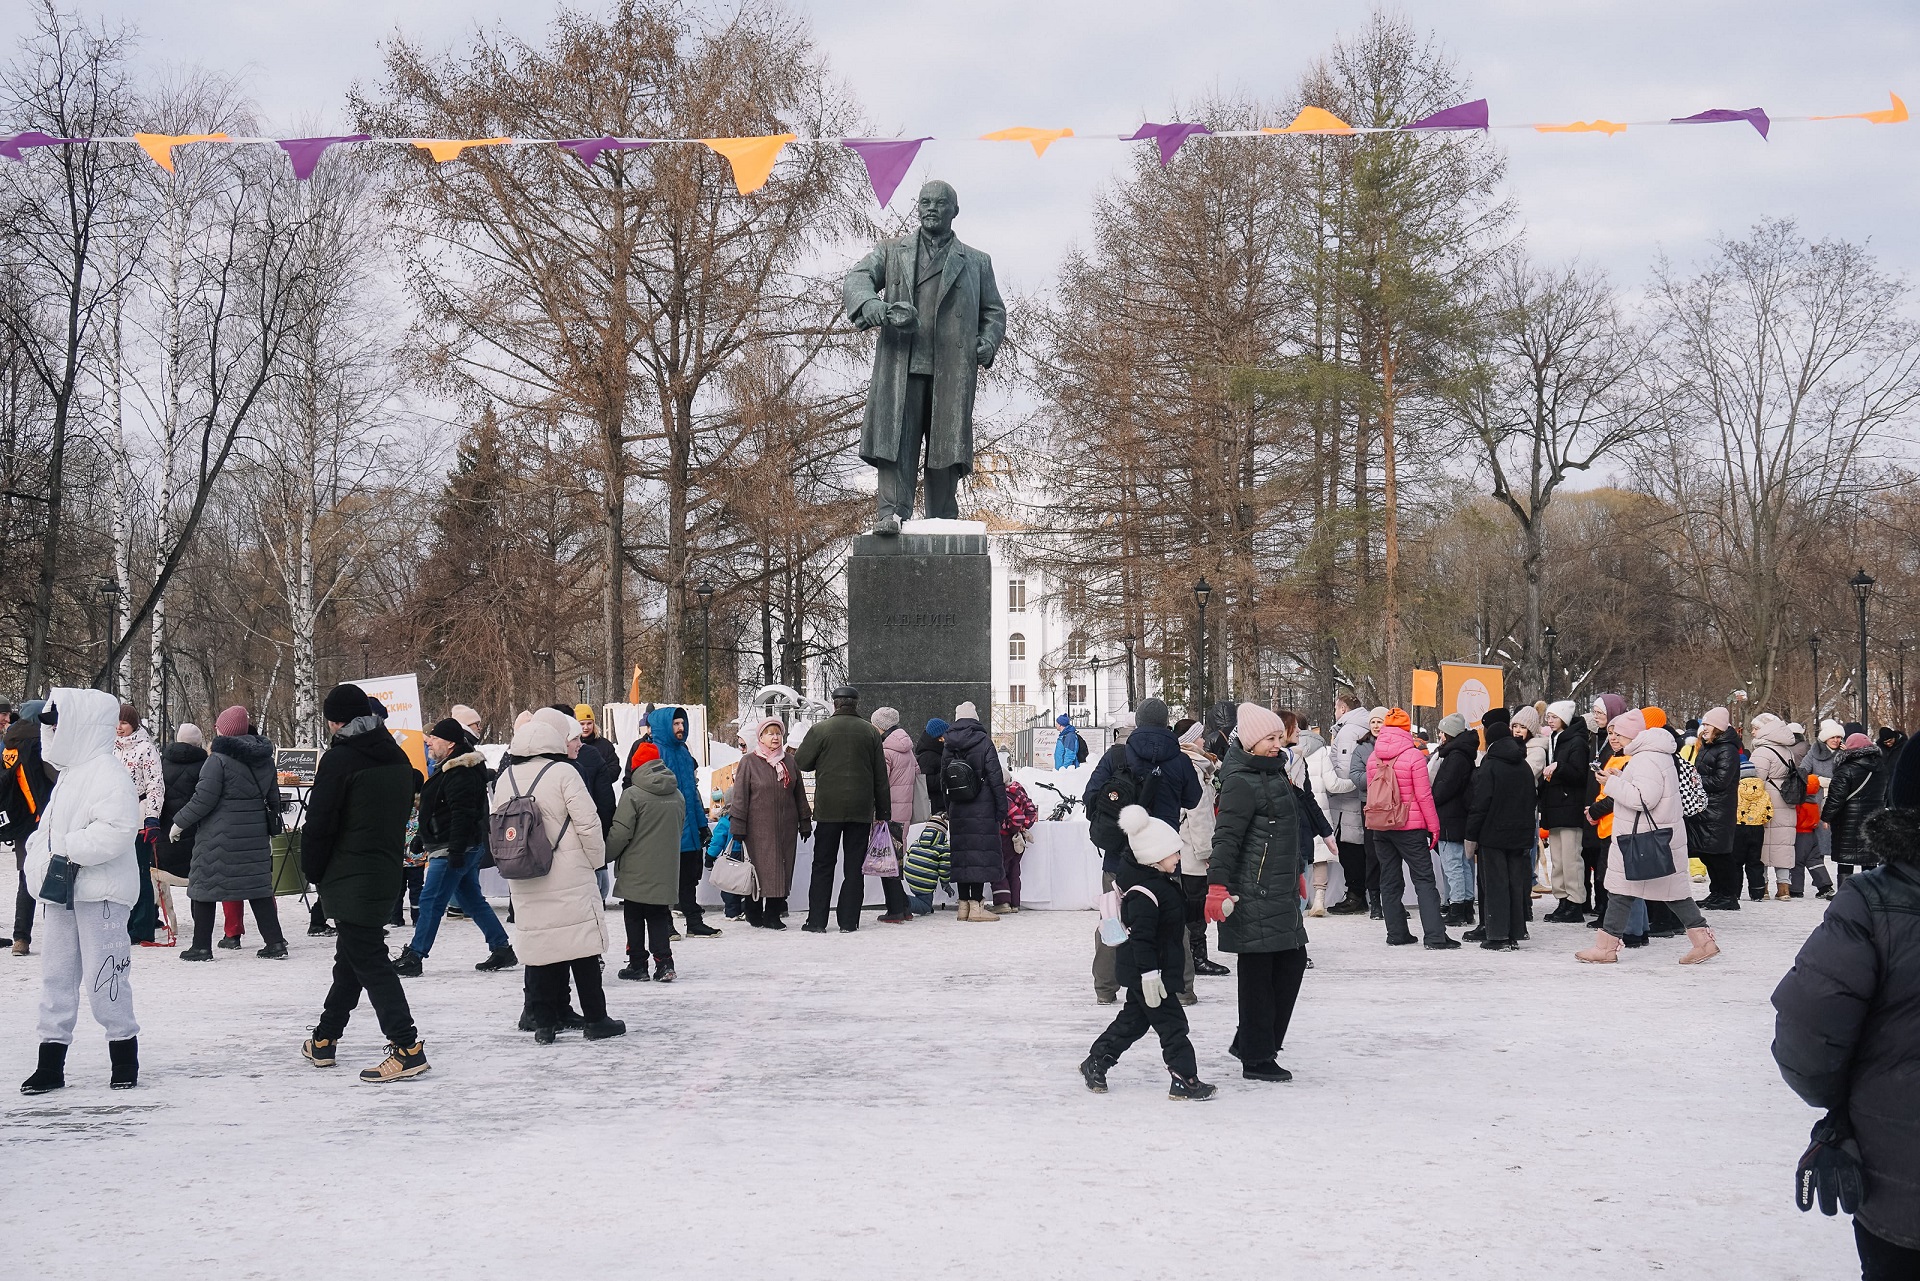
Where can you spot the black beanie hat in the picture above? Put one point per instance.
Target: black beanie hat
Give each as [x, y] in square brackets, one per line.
[454, 732]
[1903, 785]
[1496, 720]
[346, 703]
[1152, 711]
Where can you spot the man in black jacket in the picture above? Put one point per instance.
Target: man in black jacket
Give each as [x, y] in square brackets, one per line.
[1163, 782]
[1710, 835]
[25, 782]
[1563, 795]
[1847, 1039]
[453, 834]
[599, 766]
[354, 848]
[1501, 829]
[1452, 787]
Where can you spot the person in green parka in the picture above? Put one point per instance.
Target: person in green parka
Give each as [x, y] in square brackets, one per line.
[644, 848]
[354, 848]
[1253, 891]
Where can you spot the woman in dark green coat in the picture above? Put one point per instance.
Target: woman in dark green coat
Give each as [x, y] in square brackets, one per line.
[644, 850]
[1253, 891]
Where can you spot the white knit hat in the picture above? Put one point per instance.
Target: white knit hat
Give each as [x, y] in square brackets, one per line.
[1830, 728]
[1566, 709]
[1150, 838]
[966, 712]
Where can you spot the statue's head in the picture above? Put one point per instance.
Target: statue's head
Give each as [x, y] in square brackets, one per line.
[938, 207]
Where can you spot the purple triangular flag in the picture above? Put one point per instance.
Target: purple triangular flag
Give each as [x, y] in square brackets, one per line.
[887, 161]
[1468, 115]
[305, 153]
[587, 150]
[1722, 116]
[12, 147]
[1169, 137]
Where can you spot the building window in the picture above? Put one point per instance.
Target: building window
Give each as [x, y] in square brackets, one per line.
[1017, 694]
[1077, 648]
[1017, 649]
[1016, 595]
[1077, 694]
[1076, 597]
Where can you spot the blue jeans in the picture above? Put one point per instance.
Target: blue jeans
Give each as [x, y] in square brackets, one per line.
[462, 885]
[1457, 869]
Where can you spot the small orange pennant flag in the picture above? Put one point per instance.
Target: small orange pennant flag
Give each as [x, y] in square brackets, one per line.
[633, 690]
[160, 145]
[1896, 114]
[1426, 688]
[1608, 127]
[445, 149]
[752, 158]
[1314, 120]
[1040, 138]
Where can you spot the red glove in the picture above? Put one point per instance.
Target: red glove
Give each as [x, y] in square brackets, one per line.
[1218, 903]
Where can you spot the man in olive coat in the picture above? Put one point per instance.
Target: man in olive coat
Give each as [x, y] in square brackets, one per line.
[940, 318]
[850, 787]
[353, 847]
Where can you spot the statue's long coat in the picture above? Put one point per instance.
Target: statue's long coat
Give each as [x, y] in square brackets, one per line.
[967, 327]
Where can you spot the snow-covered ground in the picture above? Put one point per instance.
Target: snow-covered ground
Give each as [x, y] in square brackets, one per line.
[904, 1102]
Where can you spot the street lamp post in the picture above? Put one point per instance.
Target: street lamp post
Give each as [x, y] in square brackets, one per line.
[705, 592]
[1128, 640]
[1202, 590]
[581, 685]
[1096, 662]
[1813, 651]
[1552, 639]
[1646, 686]
[109, 593]
[1900, 649]
[1862, 584]
[366, 660]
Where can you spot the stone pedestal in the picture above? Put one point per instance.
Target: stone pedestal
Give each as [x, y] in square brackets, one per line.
[920, 621]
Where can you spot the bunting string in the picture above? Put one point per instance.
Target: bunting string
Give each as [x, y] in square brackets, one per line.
[887, 160]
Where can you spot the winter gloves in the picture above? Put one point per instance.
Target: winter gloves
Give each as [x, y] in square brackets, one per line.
[1219, 903]
[1152, 989]
[1831, 1167]
[175, 835]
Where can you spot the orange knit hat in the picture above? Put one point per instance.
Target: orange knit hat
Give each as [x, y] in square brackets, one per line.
[1398, 719]
[1656, 718]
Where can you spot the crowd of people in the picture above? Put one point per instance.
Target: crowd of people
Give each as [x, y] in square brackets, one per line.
[1232, 823]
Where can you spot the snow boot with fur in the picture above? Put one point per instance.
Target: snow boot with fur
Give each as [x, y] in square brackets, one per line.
[1605, 950]
[125, 1057]
[1704, 948]
[51, 1074]
[1319, 905]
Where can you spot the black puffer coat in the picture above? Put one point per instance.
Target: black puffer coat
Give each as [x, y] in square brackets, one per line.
[927, 751]
[1853, 796]
[1501, 815]
[973, 827]
[1847, 1023]
[354, 846]
[1564, 796]
[1452, 783]
[453, 808]
[1156, 922]
[1256, 854]
[26, 781]
[1718, 765]
[228, 817]
[180, 770]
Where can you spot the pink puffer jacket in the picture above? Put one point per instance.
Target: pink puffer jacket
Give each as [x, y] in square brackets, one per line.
[1397, 751]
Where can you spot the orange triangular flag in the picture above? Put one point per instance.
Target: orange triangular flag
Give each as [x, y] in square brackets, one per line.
[752, 158]
[633, 690]
[160, 145]
[1893, 115]
[1040, 138]
[445, 149]
[1608, 127]
[1314, 120]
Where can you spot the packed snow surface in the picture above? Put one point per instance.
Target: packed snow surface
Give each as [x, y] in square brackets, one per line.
[903, 1102]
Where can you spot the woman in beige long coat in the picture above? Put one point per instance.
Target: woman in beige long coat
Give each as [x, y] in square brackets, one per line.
[559, 920]
[1646, 798]
[1774, 755]
[770, 814]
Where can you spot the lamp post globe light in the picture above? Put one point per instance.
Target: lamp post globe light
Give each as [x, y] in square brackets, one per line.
[705, 592]
[1862, 584]
[1128, 640]
[1813, 652]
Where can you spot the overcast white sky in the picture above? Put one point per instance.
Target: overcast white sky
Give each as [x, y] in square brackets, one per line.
[1101, 66]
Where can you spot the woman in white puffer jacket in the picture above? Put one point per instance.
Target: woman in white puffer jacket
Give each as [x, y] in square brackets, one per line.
[90, 820]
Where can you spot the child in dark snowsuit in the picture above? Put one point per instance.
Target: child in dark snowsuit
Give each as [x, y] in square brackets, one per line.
[1151, 963]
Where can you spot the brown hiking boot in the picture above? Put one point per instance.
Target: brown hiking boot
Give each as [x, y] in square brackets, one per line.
[318, 1053]
[401, 1062]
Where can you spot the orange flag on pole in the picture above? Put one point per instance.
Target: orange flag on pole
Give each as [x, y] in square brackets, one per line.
[1426, 688]
[160, 145]
[1040, 138]
[752, 158]
[445, 149]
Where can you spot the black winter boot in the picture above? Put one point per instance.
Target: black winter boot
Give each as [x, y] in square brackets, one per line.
[1189, 1089]
[125, 1056]
[407, 964]
[1201, 965]
[52, 1072]
[1568, 913]
[1093, 1070]
[502, 958]
[604, 1029]
[1352, 905]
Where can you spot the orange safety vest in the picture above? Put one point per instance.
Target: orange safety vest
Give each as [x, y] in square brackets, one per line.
[1604, 828]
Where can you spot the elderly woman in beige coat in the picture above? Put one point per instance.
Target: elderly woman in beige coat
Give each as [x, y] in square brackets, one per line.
[1775, 756]
[770, 814]
[559, 920]
[1646, 798]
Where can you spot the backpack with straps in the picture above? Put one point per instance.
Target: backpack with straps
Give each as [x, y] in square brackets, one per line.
[1122, 788]
[1792, 788]
[518, 835]
[1693, 794]
[960, 780]
[1386, 809]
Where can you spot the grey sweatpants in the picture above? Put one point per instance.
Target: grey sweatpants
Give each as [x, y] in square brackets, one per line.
[85, 949]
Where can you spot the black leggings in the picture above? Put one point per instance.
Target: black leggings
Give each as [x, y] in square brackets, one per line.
[547, 990]
[974, 890]
[266, 914]
[643, 919]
